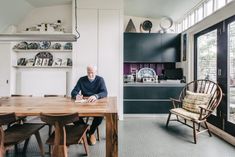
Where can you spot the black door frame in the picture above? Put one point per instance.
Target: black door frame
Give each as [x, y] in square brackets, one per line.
[220, 120]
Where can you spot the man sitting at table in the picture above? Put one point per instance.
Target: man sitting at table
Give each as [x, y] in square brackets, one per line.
[93, 87]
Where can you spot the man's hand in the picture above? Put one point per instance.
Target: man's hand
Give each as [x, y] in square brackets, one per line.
[92, 98]
[79, 97]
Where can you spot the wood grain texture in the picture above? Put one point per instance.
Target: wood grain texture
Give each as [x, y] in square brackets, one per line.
[107, 107]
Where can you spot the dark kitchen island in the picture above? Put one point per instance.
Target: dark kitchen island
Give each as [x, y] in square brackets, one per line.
[150, 98]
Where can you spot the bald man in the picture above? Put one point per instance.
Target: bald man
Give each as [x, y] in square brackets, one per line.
[93, 87]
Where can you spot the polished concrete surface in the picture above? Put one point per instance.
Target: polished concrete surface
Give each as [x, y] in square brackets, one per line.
[147, 137]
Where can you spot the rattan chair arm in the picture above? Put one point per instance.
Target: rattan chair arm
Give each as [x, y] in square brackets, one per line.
[203, 108]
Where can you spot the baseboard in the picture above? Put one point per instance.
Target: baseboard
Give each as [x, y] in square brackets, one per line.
[144, 115]
[222, 134]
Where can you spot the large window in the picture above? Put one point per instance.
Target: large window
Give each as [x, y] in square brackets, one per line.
[208, 7]
[231, 77]
[220, 3]
[215, 60]
[207, 56]
[204, 9]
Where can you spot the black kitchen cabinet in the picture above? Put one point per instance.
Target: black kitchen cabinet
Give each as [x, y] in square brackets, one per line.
[151, 47]
[150, 98]
[171, 47]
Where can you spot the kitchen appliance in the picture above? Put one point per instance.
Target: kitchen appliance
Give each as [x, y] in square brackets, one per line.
[148, 79]
[128, 78]
[174, 74]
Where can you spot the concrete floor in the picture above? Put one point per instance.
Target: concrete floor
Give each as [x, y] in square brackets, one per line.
[148, 137]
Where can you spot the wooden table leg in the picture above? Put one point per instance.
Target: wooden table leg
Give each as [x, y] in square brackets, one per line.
[2, 148]
[59, 151]
[111, 135]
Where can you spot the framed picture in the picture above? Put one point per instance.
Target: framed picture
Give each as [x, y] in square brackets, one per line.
[57, 62]
[38, 62]
[29, 62]
[64, 62]
[21, 61]
[184, 47]
[45, 62]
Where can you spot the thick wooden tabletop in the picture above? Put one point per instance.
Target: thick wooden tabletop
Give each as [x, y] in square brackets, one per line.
[33, 106]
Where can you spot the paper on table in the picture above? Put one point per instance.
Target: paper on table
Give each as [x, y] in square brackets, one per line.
[81, 100]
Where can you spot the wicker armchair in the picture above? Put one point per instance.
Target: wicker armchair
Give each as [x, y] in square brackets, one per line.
[197, 101]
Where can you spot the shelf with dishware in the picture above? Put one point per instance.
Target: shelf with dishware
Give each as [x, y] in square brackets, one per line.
[40, 50]
[16, 66]
[42, 54]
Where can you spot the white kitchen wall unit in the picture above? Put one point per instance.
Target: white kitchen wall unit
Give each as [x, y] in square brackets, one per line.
[42, 76]
[100, 24]
[43, 82]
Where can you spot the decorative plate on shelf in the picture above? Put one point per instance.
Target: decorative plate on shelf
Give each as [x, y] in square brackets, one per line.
[45, 45]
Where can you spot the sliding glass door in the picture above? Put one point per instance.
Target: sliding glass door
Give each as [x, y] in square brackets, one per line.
[231, 74]
[207, 56]
[215, 60]
[230, 119]
[207, 60]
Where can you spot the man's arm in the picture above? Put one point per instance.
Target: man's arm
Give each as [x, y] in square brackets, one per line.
[103, 90]
[76, 90]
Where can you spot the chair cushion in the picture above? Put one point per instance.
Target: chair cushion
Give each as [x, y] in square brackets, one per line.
[192, 101]
[185, 114]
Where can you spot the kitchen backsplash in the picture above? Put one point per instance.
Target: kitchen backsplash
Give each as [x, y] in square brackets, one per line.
[158, 67]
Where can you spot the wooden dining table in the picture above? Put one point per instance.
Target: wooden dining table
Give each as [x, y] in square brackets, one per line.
[33, 106]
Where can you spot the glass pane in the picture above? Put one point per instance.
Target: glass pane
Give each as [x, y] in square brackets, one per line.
[220, 3]
[199, 13]
[209, 7]
[207, 56]
[192, 18]
[231, 81]
[185, 23]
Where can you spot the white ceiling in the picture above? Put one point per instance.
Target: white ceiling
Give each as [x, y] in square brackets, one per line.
[140, 8]
[174, 9]
[44, 3]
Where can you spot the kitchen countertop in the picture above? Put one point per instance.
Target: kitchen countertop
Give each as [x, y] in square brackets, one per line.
[152, 84]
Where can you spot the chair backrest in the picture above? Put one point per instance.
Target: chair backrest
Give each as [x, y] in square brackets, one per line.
[59, 122]
[54, 95]
[206, 87]
[7, 118]
[61, 119]
[19, 95]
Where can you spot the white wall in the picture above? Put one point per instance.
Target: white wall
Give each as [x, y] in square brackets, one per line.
[48, 15]
[100, 23]
[12, 12]
[216, 17]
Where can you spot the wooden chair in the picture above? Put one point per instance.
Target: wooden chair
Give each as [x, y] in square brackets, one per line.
[17, 133]
[65, 135]
[210, 95]
[20, 119]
